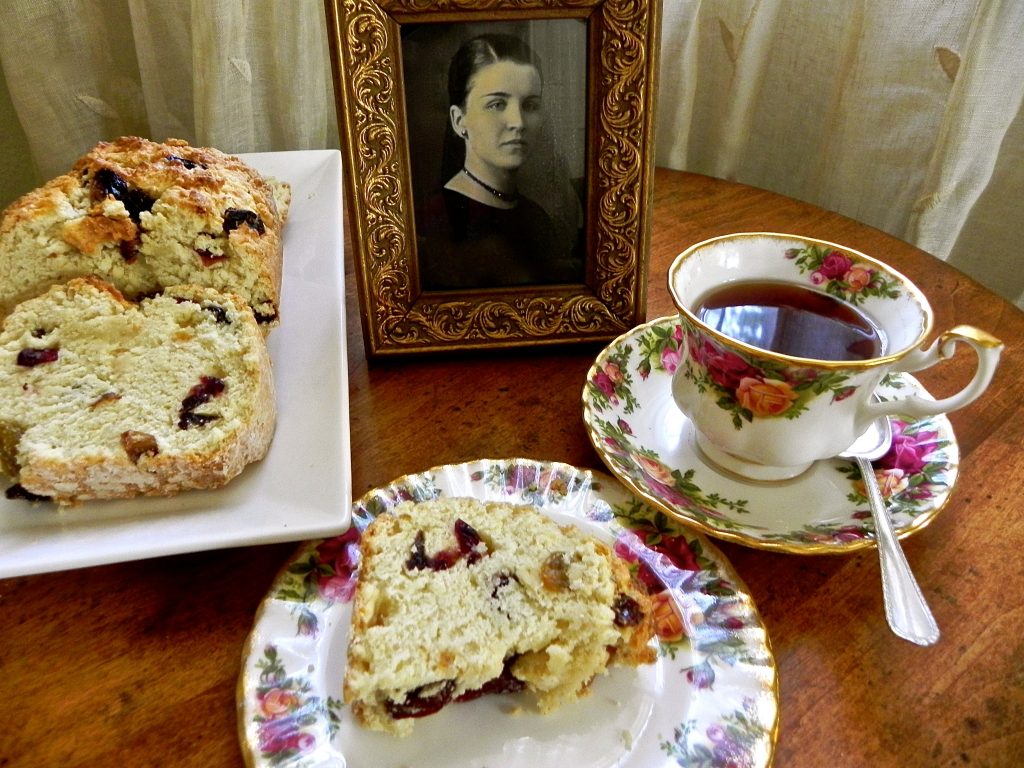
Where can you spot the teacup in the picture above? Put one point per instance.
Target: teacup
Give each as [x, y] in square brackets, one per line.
[768, 414]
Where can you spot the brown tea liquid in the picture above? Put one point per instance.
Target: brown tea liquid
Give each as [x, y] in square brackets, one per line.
[791, 320]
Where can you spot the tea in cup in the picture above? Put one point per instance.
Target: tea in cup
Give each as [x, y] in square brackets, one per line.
[786, 339]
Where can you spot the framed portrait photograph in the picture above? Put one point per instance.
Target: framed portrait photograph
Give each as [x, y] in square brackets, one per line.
[497, 167]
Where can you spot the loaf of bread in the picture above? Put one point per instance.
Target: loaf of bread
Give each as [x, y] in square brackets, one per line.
[102, 398]
[457, 598]
[143, 216]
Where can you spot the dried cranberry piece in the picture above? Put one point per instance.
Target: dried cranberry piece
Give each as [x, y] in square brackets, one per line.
[445, 559]
[506, 682]
[189, 419]
[18, 491]
[209, 258]
[107, 183]
[207, 388]
[469, 541]
[262, 317]
[136, 202]
[219, 313]
[418, 559]
[189, 164]
[419, 703]
[236, 217]
[627, 611]
[30, 356]
[129, 250]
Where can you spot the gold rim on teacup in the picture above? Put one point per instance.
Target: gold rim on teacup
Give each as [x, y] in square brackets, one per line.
[906, 285]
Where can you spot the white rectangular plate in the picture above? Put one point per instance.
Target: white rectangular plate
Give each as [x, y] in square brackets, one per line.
[303, 488]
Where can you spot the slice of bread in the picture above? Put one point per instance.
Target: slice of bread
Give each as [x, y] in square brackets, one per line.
[456, 598]
[102, 398]
[144, 215]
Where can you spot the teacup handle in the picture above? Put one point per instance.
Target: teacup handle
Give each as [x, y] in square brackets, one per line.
[986, 346]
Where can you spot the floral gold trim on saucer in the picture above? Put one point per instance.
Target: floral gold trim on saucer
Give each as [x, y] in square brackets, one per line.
[648, 444]
[710, 698]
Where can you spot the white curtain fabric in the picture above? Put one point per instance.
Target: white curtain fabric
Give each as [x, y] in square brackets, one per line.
[902, 114]
[239, 75]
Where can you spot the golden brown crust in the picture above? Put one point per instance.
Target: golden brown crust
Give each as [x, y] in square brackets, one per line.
[145, 215]
[88, 233]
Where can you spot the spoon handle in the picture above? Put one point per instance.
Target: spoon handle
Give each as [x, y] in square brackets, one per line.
[905, 607]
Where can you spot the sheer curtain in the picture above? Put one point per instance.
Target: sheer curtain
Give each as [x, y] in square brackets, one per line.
[902, 114]
[243, 76]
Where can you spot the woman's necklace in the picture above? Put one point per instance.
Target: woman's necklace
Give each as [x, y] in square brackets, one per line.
[508, 197]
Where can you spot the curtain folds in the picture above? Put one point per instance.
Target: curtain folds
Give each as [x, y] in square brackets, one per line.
[902, 115]
[240, 76]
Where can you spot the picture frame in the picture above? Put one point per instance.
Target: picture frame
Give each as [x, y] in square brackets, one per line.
[389, 60]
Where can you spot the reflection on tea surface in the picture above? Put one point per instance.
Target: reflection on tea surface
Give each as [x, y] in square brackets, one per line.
[791, 320]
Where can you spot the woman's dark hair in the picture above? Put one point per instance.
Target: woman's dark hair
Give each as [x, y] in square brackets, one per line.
[472, 56]
[477, 53]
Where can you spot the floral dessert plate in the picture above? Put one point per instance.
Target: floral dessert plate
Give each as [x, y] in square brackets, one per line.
[710, 698]
[651, 446]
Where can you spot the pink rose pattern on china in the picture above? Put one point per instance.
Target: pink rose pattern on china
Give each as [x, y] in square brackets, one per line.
[288, 713]
[338, 559]
[912, 474]
[911, 448]
[651, 474]
[751, 388]
[842, 276]
[612, 384]
[676, 572]
[662, 342]
[729, 744]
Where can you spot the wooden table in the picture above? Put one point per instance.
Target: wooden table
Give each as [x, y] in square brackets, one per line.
[136, 663]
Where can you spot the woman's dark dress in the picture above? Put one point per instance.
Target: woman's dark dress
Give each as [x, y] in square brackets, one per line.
[466, 244]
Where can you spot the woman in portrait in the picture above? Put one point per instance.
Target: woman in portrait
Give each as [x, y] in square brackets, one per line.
[478, 230]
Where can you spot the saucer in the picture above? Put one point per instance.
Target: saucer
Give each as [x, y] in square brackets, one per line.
[651, 447]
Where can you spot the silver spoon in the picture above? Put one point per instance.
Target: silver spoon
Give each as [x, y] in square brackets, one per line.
[905, 607]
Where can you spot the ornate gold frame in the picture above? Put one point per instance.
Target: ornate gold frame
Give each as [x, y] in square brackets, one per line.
[397, 317]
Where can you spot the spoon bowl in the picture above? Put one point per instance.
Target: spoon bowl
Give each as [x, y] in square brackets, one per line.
[873, 443]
